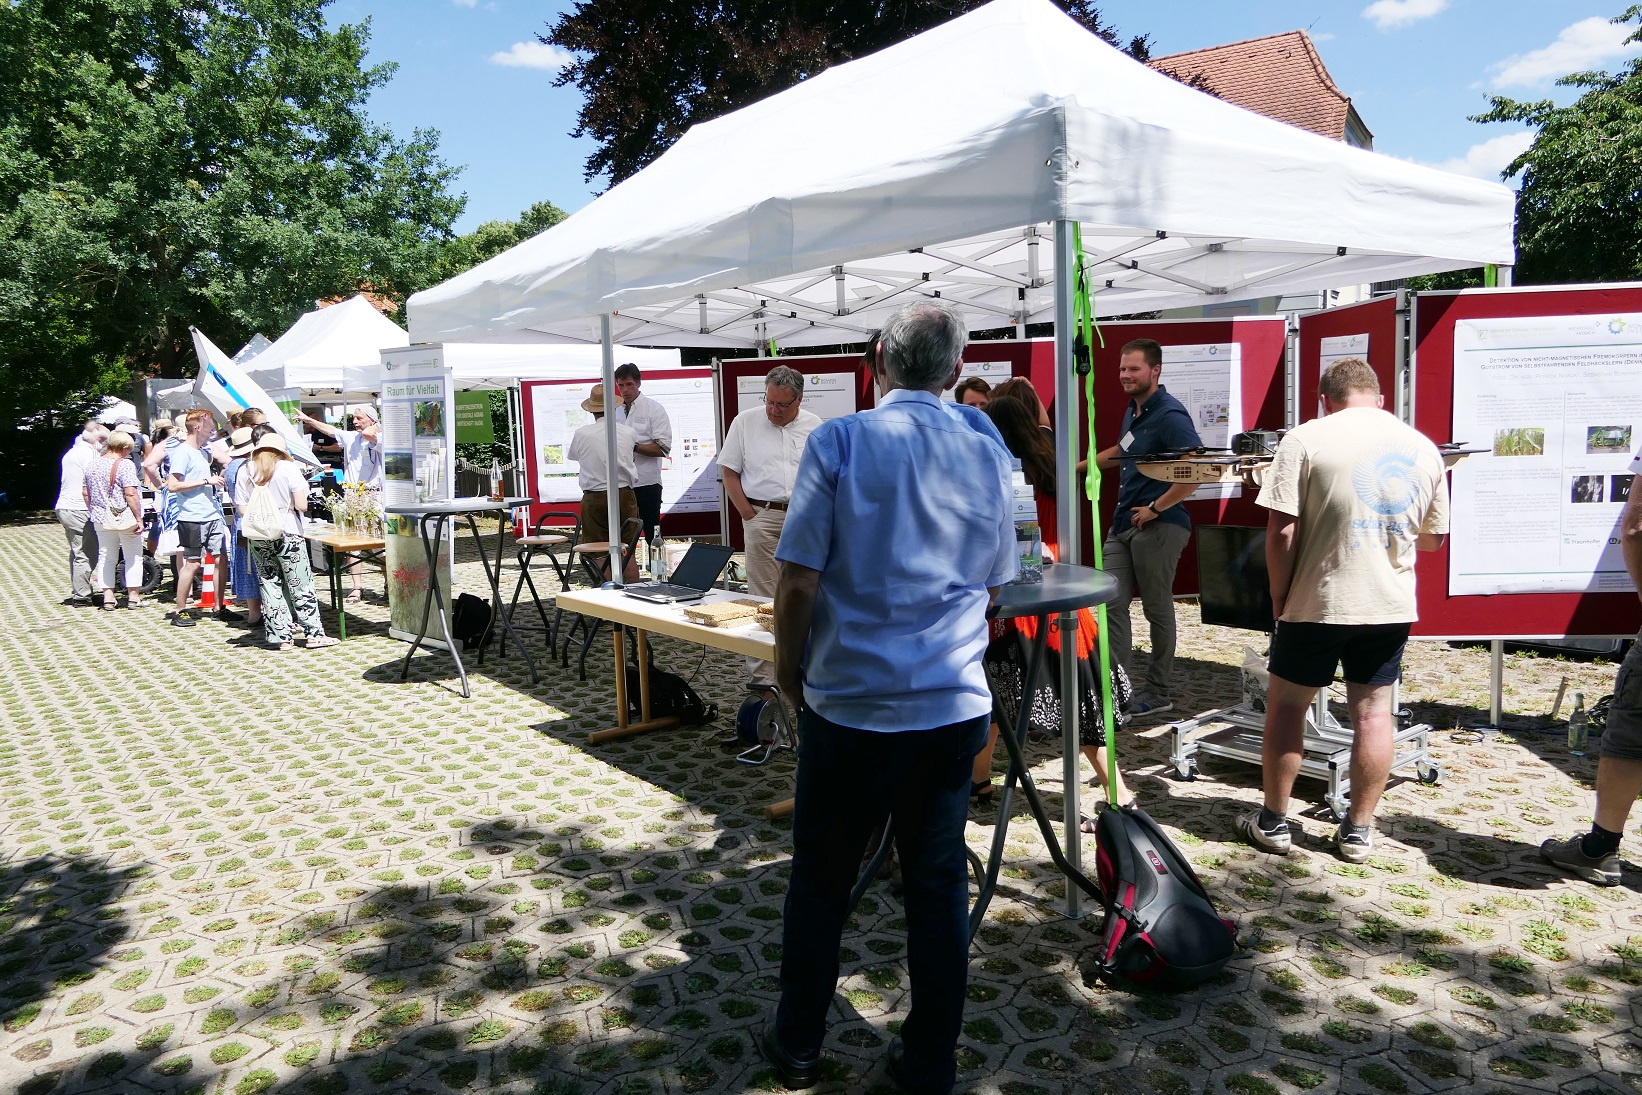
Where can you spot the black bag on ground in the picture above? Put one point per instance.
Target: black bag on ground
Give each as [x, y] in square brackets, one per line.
[470, 621]
[670, 697]
[1161, 930]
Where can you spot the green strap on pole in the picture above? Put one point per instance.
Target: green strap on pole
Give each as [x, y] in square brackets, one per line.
[1088, 331]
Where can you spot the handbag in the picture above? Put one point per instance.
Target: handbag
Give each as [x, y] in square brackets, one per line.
[120, 518]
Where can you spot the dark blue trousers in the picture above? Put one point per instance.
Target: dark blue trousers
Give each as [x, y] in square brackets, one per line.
[848, 780]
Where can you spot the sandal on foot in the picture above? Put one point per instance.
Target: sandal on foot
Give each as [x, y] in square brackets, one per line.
[320, 642]
[981, 792]
[355, 597]
[283, 647]
[1087, 824]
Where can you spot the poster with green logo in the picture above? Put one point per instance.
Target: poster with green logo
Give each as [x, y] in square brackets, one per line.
[473, 424]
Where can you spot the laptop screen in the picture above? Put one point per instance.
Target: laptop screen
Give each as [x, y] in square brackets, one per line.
[702, 565]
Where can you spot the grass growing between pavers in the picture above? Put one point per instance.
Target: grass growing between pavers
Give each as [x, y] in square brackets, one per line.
[284, 872]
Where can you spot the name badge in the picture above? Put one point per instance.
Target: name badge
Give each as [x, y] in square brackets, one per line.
[1128, 439]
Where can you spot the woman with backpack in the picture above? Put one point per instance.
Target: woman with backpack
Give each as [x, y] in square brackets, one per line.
[271, 497]
[114, 505]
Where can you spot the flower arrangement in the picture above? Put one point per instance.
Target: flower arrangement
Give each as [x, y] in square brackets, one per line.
[358, 508]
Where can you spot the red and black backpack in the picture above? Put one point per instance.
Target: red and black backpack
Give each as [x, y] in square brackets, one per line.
[1161, 929]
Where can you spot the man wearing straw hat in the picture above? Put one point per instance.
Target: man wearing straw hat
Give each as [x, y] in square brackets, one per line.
[588, 451]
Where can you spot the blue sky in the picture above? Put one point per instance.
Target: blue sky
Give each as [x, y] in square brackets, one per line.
[1414, 68]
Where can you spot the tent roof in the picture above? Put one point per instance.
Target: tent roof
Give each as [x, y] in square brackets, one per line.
[937, 165]
[485, 366]
[324, 346]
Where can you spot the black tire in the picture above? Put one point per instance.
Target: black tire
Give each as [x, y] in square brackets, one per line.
[152, 572]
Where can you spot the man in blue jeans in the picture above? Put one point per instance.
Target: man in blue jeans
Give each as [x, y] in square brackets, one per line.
[898, 535]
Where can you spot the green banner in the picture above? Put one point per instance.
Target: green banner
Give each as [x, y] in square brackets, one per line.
[473, 425]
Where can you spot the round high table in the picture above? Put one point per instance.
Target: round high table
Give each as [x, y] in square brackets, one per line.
[1064, 589]
[432, 518]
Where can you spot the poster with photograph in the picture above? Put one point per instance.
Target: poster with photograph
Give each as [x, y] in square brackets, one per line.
[1208, 381]
[1556, 401]
[418, 465]
[689, 474]
[826, 395]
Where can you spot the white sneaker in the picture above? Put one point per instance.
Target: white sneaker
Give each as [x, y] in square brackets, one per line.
[1354, 846]
[1276, 840]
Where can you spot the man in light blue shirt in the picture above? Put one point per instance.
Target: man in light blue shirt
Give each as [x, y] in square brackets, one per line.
[898, 534]
[201, 529]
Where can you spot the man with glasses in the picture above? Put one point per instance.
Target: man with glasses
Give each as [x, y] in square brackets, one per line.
[759, 462]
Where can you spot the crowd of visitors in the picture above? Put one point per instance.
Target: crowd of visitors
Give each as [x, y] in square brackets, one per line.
[192, 492]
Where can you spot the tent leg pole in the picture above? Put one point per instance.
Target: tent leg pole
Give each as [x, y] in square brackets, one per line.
[1067, 434]
[612, 480]
[1496, 682]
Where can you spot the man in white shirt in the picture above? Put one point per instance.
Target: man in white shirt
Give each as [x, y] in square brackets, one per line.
[361, 461]
[72, 513]
[759, 461]
[653, 436]
[587, 449]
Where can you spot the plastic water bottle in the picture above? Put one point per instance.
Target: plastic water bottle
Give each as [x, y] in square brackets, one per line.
[1579, 726]
[658, 560]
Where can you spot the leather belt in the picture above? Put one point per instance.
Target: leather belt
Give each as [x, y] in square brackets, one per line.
[759, 503]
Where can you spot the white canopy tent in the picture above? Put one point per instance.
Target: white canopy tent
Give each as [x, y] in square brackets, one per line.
[942, 166]
[335, 350]
[493, 366]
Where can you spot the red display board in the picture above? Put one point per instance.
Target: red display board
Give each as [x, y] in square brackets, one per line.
[677, 524]
[1378, 320]
[1508, 615]
[1263, 343]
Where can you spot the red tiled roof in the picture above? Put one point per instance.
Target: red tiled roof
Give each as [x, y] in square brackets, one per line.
[1280, 76]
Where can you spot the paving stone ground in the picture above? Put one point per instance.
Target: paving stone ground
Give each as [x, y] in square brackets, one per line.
[227, 869]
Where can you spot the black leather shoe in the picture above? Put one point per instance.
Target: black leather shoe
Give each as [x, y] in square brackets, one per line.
[793, 1072]
[896, 1062]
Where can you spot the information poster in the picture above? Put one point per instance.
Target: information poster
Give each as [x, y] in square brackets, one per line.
[993, 372]
[1336, 347]
[689, 474]
[418, 463]
[473, 422]
[1208, 379]
[1557, 402]
[826, 395]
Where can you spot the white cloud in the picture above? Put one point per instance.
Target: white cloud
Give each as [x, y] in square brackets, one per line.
[465, 3]
[1391, 14]
[1488, 159]
[533, 55]
[1584, 45]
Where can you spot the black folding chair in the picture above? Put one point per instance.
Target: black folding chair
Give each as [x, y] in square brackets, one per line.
[595, 561]
[556, 530]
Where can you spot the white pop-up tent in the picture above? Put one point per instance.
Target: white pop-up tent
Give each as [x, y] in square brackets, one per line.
[335, 350]
[491, 366]
[956, 164]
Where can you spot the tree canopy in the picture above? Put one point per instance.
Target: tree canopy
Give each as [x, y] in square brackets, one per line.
[209, 162]
[650, 69]
[1579, 212]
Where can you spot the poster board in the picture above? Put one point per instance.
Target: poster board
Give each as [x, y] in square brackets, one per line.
[418, 440]
[1256, 401]
[552, 413]
[1372, 327]
[1447, 325]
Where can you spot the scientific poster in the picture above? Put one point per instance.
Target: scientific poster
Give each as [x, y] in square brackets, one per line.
[418, 465]
[1208, 380]
[1557, 402]
[826, 395]
[1336, 347]
[689, 474]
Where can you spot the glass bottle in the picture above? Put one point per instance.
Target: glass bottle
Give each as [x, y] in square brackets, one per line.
[1579, 726]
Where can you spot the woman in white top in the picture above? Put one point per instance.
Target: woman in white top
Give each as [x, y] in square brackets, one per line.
[271, 497]
[110, 491]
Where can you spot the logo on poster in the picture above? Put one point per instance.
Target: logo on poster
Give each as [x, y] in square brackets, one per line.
[1616, 326]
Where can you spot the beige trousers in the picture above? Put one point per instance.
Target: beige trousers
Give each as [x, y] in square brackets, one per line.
[763, 533]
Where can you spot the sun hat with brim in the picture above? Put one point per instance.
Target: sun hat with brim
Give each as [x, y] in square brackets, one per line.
[595, 400]
[239, 442]
[273, 442]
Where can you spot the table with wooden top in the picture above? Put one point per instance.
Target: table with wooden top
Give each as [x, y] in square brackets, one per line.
[338, 542]
[644, 618]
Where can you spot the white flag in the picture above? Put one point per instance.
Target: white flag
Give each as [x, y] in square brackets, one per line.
[230, 390]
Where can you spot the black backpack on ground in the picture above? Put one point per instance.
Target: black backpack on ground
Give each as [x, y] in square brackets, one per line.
[670, 697]
[1161, 930]
[470, 621]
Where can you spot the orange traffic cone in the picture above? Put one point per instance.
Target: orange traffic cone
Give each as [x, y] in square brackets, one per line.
[208, 582]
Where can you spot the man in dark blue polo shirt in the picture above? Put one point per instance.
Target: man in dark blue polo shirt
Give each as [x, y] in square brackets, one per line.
[1150, 529]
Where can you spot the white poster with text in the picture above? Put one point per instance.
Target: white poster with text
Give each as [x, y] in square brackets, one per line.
[1557, 402]
[1208, 381]
[1336, 347]
[826, 395]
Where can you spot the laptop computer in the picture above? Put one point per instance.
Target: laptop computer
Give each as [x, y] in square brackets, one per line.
[696, 573]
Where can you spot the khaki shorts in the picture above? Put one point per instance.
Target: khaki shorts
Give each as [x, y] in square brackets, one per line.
[595, 515]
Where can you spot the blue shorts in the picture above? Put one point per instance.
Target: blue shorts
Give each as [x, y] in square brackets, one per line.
[1308, 654]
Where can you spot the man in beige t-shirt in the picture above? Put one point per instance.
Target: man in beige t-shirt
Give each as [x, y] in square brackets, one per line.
[1352, 496]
